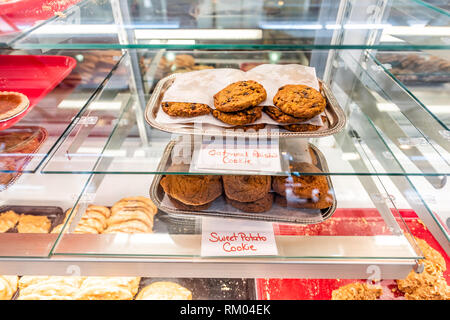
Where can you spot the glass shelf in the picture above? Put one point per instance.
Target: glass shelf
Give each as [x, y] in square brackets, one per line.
[58, 112]
[375, 232]
[368, 145]
[256, 25]
[425, 76]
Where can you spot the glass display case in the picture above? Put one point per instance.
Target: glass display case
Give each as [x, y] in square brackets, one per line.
[385, 64]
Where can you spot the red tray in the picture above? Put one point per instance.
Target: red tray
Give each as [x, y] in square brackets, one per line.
[343, 222]
[34, 76]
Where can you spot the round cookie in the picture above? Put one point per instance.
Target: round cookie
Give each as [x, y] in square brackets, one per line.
[192, 189]
[164, 290]
[279, 116]
[185, 109]
[180, 205]
[312, 187]
[304, 127]
[239, 96]
[261, 205]
[246, 188]
[239, 118]
[299, 101]
[255, 127]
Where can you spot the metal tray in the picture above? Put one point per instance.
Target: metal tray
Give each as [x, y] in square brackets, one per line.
[220, 208]
[336, 118]
[56, 215]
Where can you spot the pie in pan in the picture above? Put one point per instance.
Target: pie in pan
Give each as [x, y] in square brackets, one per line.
[12, 104]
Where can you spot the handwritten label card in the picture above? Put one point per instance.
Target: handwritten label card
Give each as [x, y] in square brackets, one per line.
[232, 237]
[237, 156]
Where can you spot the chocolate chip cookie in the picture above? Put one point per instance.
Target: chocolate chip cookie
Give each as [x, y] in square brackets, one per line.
[185, 109]
[239, 96]
[302, 186]
[261, 205]
[304, 127]
[239, 118]
[299, 101]
[281, 117]
[246, 188]
[192, 190]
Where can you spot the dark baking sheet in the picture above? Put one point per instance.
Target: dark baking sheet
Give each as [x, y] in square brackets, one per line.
[212, 289]
[54, 214]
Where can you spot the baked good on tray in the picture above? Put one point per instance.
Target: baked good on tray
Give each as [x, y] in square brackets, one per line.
[8, 287]
[246, 188]
[357, 291]
[93, 220]
[12, 103]
[239, 96]
[33, 224]
[258, 206]
[185, 109]
[299, 101]
[303, 191]
[279, 116]
[164, 290]
[192, 190]
[180, 205]
[8, 220]
[239, 118]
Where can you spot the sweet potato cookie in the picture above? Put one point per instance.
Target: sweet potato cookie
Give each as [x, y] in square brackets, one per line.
[281, 117]
[185, 109]
[299, 101]
[261, 205]
[180, 205]
[192, 189]
[239, 96]
[306, 191]
[239, 118]
[246, 188]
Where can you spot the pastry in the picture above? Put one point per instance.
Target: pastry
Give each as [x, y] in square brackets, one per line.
[281, 117]
[103, 292]
[246, 188]
[180, 205]
[132, 226]
[85, 229]
[164, 290]
[33, 224]
[304, 191]
[101, 209]
[8, 287]
[192, 189]
[185, 109]
[129, 283]
[26, 281]
[239, 118]
[261, 205]
[12, 103]
[357, 291]
[136, 201]
[8, 220]
[239, 96]
[184, 61]
[300, 101]
[129, 215]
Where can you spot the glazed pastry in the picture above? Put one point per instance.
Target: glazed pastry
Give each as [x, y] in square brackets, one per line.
[124, 216]
[12, 103]
[8, 220]
[164, 291]
[129, 283]
[8, 287]
[133, 226]
[33, 224]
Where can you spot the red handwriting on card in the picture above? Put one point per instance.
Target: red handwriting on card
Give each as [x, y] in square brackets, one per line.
[241, 241]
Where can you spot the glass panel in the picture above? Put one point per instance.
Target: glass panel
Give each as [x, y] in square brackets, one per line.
[126, 148]
[57, 94]
[30, 209]
[366, 225]
[268, 24]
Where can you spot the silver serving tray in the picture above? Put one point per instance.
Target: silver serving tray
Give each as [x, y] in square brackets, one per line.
[220, 208]
[336, 118]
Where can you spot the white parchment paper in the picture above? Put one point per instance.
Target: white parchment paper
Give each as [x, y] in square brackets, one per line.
[201, 86]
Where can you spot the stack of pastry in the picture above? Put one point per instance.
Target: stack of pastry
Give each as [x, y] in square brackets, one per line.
[191, 192]
[48, 287]
[108, 288]
[248, 193]
[24, 223]
[8, 287]
[303, 191]
[131, 215]
[164, 290]
[93, 220]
